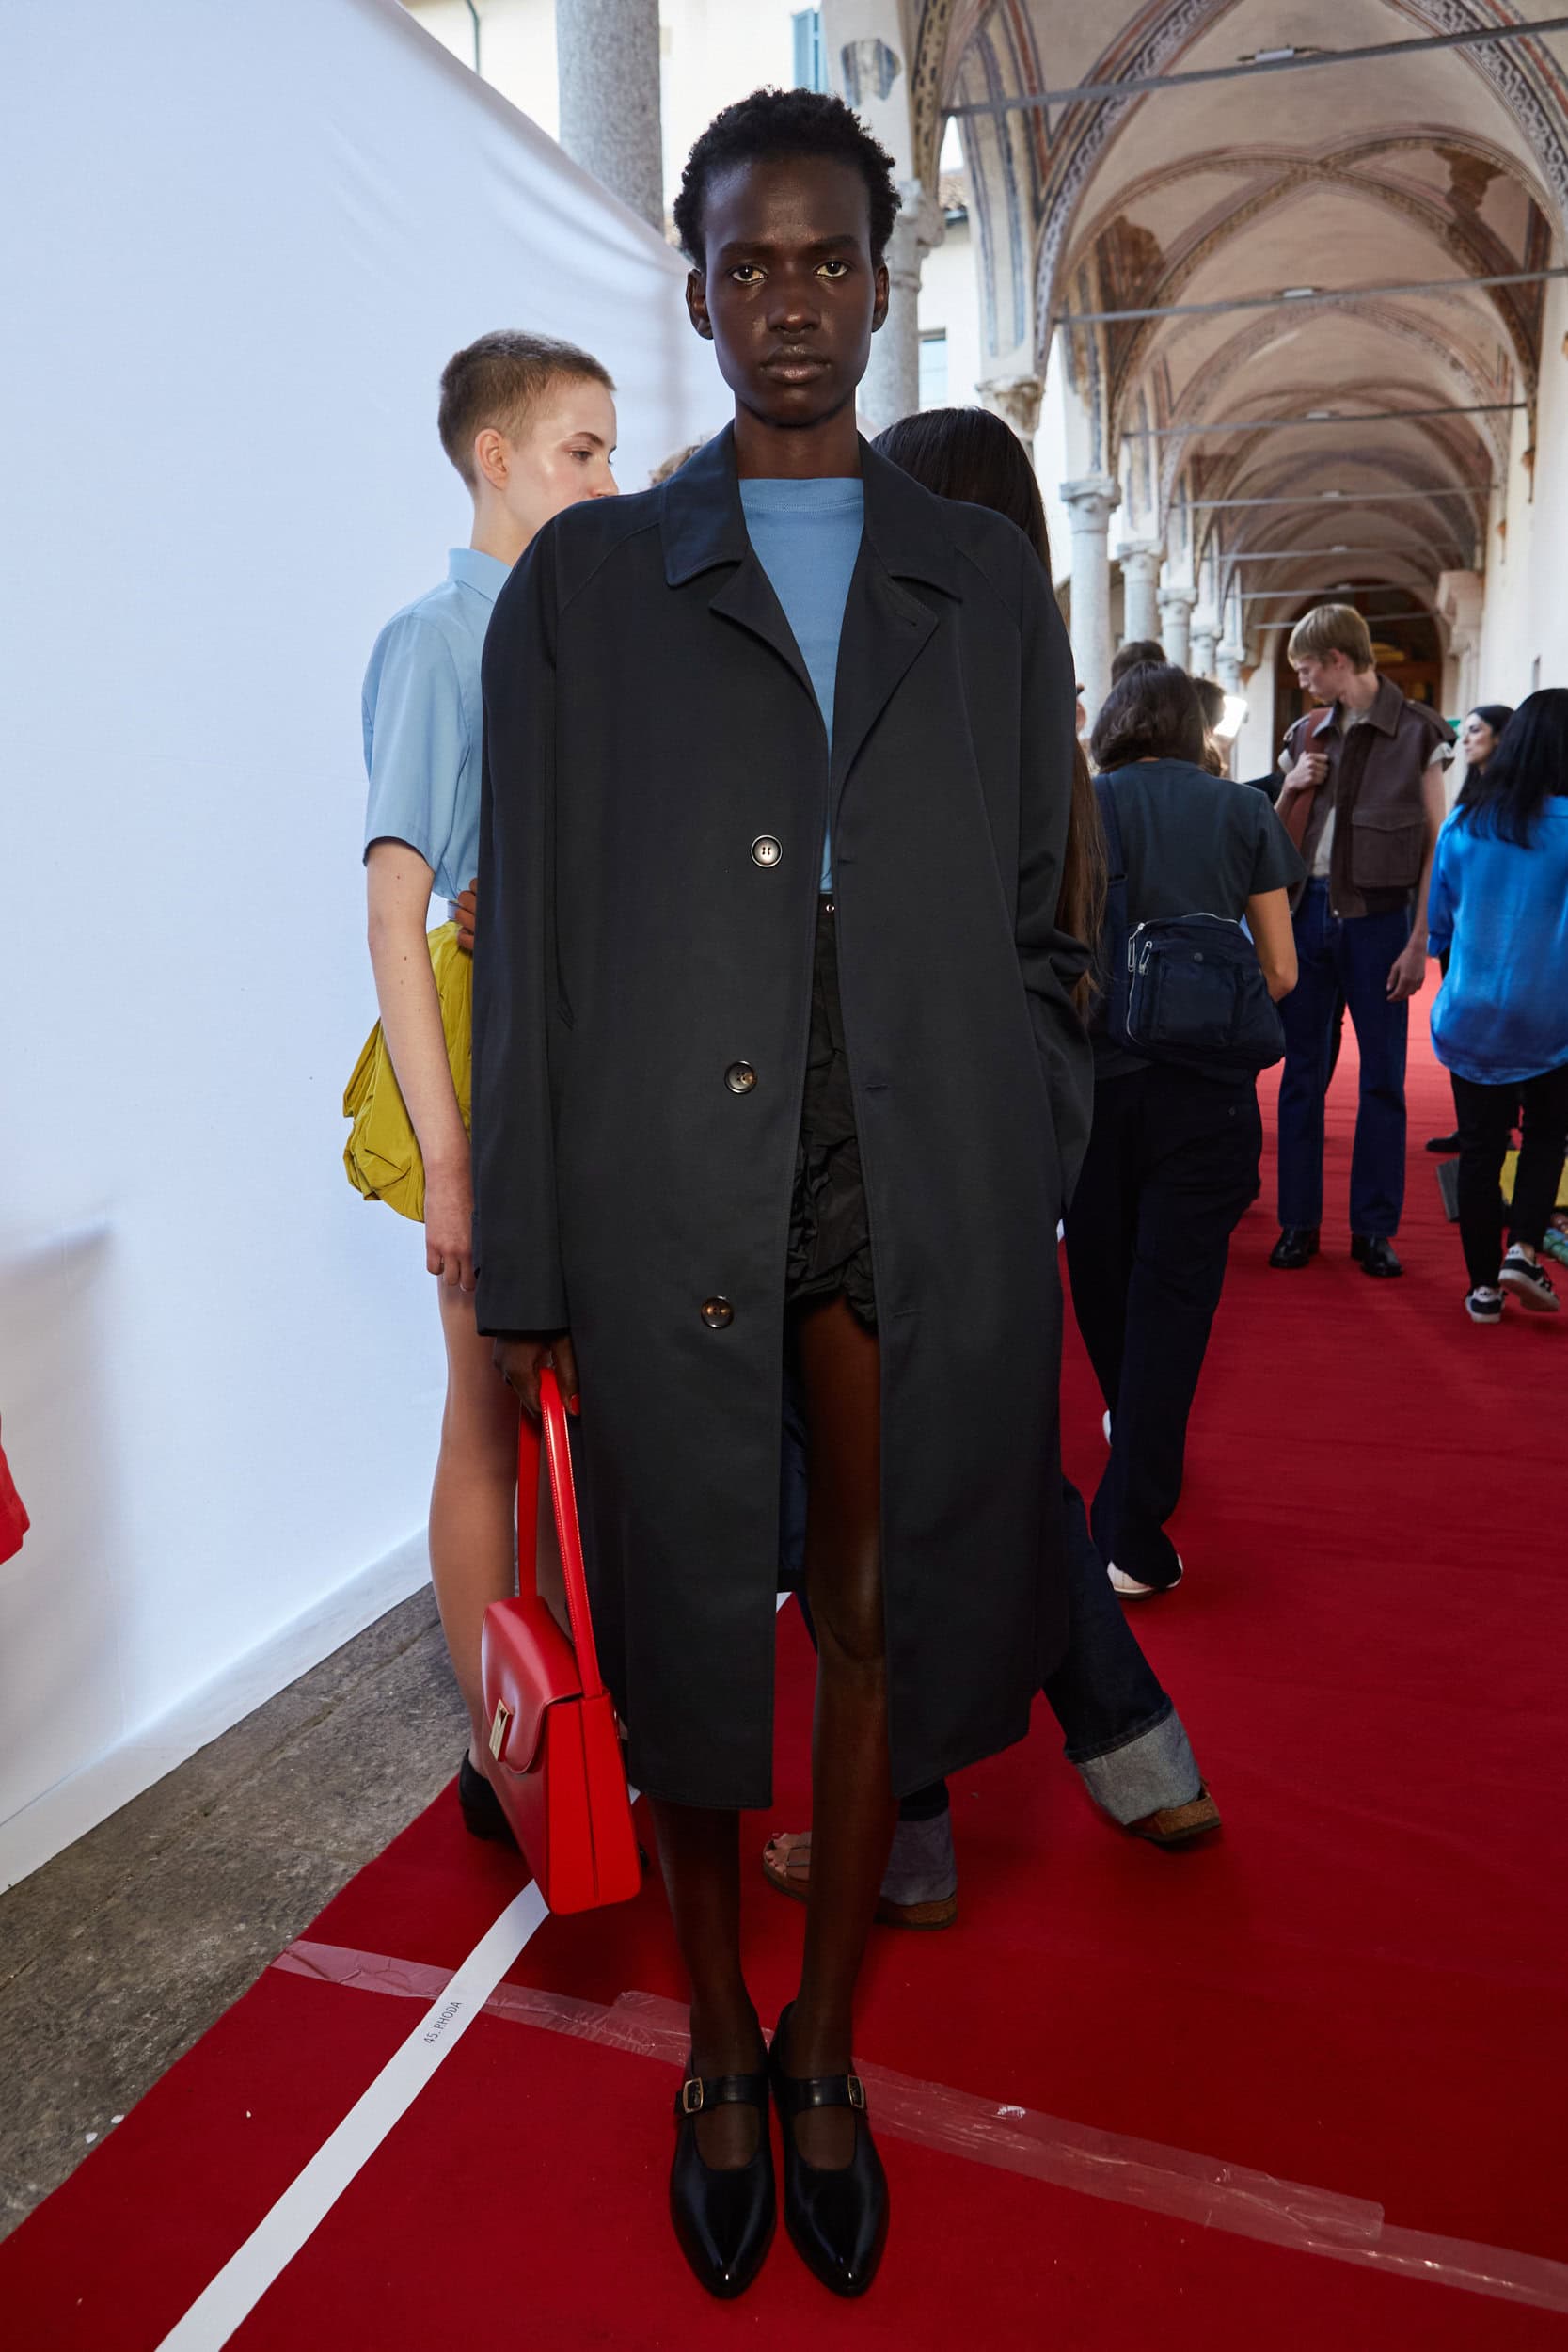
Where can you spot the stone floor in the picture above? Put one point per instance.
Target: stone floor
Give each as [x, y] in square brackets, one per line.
[119, 1953]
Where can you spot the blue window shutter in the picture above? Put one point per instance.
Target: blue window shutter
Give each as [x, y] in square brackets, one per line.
[806, 25]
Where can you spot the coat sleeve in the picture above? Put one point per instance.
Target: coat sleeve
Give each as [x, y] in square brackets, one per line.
[1049, 958]
[517, 1267]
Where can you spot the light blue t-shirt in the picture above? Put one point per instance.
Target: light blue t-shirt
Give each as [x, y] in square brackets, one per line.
[1499, 912]
[807, 535]
[424, 715]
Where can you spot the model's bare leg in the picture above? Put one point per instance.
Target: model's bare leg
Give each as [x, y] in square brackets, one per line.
[852, 1807]
[700, 1850]
[473, 1504]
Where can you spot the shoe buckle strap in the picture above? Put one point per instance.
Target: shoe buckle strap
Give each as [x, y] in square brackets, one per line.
[825, 2091]
[699, 2093]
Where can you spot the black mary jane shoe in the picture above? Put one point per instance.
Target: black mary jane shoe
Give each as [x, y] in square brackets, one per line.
[483, 1815]
[723, 2217]
[836, 2218]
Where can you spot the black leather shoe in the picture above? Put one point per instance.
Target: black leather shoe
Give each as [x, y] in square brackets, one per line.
[1375, 1254]
[1445, 1145]
[723, 2217]
[836, 2218]
[1295, 1245]
[483, 1815]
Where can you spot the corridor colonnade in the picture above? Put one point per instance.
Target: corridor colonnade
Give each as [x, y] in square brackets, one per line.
[1214, 462]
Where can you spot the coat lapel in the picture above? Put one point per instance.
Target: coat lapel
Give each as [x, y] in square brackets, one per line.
[704, 529]
[885, 626]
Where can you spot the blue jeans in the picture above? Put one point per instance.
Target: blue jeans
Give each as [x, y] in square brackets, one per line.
[1121, 1730]
[1352, 957]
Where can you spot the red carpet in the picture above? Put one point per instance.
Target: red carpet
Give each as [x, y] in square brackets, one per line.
[1360, 1987]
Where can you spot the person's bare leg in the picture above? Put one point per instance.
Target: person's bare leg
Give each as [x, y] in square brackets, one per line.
[853, 1811]
[473, 1503]
[700, 1851]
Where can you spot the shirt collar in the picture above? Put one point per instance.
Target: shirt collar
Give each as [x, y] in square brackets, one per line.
[472, 569]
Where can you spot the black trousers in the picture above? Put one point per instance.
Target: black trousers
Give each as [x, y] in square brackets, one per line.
[1172, 1165]
[1487, 1116]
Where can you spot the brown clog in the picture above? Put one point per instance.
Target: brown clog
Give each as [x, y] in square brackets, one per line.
[1180, 1824]
[787, 1865]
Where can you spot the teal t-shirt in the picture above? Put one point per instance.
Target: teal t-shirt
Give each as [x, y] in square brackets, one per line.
[807, 535]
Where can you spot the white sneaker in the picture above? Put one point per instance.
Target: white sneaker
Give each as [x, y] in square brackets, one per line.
[1483, 1305]
[1130, 1589]
[1105, 1423]
[1530, 1283]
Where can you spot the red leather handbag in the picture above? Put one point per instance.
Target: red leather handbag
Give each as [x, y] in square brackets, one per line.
[559, 1771]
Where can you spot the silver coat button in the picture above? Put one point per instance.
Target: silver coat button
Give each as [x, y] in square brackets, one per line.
[740, 1077]
[766, 851]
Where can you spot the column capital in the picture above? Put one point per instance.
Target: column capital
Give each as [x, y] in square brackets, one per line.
[1229, 660]
[1016, 399]
[1142, 558]
[919, 228]
[1179, 599]
[1092, 500]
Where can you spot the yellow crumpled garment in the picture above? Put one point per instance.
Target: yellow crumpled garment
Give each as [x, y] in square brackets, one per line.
[382, 1154]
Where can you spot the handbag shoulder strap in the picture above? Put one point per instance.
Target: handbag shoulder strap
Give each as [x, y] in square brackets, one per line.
[557, 1450]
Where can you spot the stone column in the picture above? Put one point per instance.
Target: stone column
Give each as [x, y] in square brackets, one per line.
[1175, 621]
[1016, 399]
[607, 59]
[1205, 637]
[863, 44]
[1140, 574]
[890, 388]
[1090, 504]
[1229, 659]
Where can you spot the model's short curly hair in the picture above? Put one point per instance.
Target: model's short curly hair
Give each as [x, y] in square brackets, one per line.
[773, 123]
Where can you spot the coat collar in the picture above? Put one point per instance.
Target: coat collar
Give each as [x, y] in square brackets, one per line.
[1381, 712]
[704, 525]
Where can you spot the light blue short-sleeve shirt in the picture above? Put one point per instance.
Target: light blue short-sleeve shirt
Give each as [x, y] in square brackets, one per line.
[423, 717]
[807, 535]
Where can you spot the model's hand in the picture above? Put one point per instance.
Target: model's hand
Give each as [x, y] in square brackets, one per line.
[449, 1222]
[521, 1356]
[1308, 774]
[467, 910]
[1407, 975]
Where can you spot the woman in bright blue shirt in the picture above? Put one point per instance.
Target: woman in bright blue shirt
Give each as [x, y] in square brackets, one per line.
[1499, 910]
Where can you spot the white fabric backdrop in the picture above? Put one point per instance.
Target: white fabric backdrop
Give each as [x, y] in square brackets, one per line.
[253, 235]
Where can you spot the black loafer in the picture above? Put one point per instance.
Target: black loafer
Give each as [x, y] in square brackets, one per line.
[836, 2218]
[1297, 1244]
[723, 2217]
[483, 1815]
[1444, 1145]
[1375, 1254]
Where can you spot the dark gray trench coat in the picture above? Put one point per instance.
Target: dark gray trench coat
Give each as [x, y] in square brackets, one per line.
[656, 781]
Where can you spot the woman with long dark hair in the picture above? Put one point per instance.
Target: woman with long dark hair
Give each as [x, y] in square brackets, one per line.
[1122, 1732]
[1479, 738]
[1499, 913]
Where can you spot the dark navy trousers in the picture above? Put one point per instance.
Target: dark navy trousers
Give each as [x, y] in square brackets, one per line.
[1352, 958]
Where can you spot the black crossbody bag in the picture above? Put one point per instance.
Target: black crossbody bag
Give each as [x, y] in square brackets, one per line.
[1187, 989]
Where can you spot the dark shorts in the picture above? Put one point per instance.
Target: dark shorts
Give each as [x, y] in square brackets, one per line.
[830, 1230]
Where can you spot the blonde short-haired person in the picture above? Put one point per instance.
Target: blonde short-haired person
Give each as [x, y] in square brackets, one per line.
[1362, 801]
[529, 425]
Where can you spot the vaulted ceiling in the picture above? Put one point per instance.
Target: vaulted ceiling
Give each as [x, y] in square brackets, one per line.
[1441, 163]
